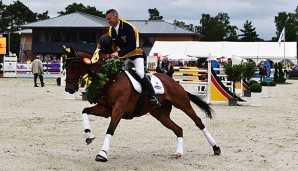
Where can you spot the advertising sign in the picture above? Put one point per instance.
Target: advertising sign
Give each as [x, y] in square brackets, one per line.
[10, 66]
[4, 44]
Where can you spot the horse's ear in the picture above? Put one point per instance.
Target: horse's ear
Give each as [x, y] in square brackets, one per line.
[95, 56]
[87, 61]
[69, 51]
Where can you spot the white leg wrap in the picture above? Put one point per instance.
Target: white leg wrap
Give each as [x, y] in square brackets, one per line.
[106, 146]
[89, 135]
[179, 146]
[85, 120]
[209, 137]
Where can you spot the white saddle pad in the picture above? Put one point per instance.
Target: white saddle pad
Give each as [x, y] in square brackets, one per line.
[156, 84]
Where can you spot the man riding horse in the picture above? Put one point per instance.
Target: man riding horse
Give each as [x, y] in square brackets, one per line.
[119, 98]
[125, 38]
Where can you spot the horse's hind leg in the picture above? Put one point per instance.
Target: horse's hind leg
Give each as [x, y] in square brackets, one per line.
[183, 104]
[191, 113]
[163, 115]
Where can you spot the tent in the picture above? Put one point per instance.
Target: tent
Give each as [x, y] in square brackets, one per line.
[181, 57]
[257, 51]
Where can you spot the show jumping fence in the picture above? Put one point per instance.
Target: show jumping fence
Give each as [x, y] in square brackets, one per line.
[201, 81]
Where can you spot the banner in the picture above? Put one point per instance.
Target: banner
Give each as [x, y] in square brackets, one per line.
[281, 37]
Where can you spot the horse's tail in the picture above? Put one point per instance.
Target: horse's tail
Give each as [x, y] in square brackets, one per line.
[202, 104]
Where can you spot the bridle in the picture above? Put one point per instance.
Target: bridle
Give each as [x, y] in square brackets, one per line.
[75, 60]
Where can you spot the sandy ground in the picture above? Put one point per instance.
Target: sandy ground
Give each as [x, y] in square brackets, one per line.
[41, 130]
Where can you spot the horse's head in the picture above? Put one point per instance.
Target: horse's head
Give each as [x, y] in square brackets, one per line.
[76, 65]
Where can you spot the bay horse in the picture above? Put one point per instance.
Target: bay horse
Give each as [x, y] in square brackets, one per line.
[119, 101]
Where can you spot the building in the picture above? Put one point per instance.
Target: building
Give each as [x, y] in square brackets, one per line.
[82, 32]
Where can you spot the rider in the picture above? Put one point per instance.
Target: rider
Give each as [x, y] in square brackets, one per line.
[126, 37]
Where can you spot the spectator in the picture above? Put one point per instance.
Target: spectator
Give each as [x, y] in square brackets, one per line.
[230, 61]
[37, 71]
[262, 72]
[165, 67]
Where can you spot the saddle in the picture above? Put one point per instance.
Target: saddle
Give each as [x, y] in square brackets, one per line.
[155, 81]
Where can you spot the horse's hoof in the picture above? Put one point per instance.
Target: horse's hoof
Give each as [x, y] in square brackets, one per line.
[176, 156]
[100, 158]
[216, 150]
[89, 137]
[89, 140]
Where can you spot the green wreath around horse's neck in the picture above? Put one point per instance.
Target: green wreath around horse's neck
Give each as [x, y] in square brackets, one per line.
[99, 80]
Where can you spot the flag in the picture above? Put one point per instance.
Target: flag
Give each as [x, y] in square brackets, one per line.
[281, 36]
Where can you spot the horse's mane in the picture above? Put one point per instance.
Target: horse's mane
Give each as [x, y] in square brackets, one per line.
[82, 53]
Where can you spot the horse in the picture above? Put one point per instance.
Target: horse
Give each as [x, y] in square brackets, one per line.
[119, 101]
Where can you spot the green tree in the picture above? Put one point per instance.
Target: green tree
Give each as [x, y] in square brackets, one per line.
[249, 71]
[17, 14]
[249, 33]
[281, 74]
[234, 73]
[74, 7]
[182, 24]
[217, 28]
[154, 14]
[290, 22]
[14, 15]
[43, 16]
[276, 78]
[3, 19]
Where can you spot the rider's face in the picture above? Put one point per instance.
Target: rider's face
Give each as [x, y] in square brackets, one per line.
[112, 19]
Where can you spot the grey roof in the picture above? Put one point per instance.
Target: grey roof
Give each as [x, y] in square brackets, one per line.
[158, 27]
[79, 19]
[76, 19]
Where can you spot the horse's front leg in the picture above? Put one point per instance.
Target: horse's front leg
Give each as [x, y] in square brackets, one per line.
[94, 110]
[103, 153]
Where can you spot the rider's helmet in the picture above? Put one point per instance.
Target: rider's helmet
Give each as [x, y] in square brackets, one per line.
[105, 42]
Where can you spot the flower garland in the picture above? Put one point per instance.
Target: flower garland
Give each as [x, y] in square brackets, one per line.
[99, 80]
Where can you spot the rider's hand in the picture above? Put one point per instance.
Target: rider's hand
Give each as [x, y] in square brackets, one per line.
[98, 46]
[114, 55]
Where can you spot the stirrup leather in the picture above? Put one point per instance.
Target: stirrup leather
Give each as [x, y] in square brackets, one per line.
[154, 101]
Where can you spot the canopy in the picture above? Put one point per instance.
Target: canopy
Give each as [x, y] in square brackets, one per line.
[181, 57]
[257, 51]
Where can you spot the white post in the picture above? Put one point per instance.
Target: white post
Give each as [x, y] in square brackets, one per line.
[285, 48]
[62, 74]
[209, 80]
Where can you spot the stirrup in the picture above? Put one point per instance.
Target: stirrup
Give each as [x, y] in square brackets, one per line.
[155, 102]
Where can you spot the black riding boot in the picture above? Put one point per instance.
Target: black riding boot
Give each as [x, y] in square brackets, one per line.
[150, 92]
